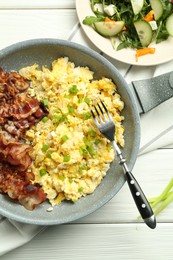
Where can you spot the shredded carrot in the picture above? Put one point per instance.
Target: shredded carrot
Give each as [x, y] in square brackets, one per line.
[124, 28]
[144, 51]
[149, 17]
[107, 19]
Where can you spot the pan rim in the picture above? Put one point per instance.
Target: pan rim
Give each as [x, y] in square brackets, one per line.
[42, 41]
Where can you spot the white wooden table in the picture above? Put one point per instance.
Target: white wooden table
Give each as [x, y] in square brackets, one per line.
[113, 232]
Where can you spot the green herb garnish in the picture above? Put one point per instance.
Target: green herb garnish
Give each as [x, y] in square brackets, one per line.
[87, 100]
[48, 154]
[80, 189]
[45, 147]
[86, 115]
[82, 167]
[92, 133]
[80, 100]
[64, 138]
[45, 119]
[45, 102]
[59, 118]
[43, 172]
[97, 141]
[70, 109]
[73, 90]
[70, 180]
[61, 177]
[66, 158]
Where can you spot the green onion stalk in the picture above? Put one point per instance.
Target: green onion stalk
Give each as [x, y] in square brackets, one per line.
[160, 202]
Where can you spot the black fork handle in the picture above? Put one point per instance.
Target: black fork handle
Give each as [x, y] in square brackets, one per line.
[136, 191]
[141, 201]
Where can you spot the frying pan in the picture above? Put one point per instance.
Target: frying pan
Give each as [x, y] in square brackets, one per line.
[44, 52]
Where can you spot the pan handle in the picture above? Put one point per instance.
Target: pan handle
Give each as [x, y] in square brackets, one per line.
[149, 93]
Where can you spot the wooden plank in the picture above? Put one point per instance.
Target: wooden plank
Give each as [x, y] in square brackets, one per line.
[20, 4]
[98, 242]
[20, 25]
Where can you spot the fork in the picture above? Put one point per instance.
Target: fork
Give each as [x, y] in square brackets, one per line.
[106, 126]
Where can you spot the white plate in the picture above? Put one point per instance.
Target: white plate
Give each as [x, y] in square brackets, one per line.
[163, 53]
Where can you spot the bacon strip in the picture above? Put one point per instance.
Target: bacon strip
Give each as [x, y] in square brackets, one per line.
[11, 83]
[15, 153]
[18, 113]
[18, 187]
[23, 106]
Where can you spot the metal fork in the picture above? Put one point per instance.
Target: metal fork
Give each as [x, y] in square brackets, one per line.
[106, 126]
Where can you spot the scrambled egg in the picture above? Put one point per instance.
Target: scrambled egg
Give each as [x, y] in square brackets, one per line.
[70, 156]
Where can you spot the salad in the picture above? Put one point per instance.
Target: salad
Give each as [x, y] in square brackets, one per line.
[132, 23]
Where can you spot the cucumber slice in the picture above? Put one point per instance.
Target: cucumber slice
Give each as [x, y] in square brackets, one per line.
[169, 25]
[109, 29]
[144, 32]
[137, 6]
[158, 8]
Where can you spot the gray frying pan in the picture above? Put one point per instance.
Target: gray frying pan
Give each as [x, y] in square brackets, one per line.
[43, 52]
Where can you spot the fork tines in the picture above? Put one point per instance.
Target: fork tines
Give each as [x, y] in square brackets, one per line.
[100, 110]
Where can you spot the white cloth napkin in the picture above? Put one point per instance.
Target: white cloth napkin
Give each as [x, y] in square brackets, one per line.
[14, 234]
[156, 132]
